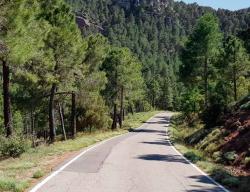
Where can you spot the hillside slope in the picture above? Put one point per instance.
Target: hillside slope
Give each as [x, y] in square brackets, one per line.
[155, 31]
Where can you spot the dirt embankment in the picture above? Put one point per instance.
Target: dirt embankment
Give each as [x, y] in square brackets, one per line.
[237, 140]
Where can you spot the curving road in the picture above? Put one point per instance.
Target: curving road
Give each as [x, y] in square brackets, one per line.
[140, 161]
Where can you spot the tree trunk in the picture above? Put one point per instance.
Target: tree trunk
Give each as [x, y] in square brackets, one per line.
[131, 109]
[121, 108]
[52, 113]
[123, 114]
[114, 124]
[6, 99]
[32, 123]
[73, 115]
[62, 121]
[206, 82]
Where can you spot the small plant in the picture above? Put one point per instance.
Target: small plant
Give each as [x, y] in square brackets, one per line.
[217, 156]
[38, 174]
[13, 146]
[193, 157]
[8, 184]
[230, 156]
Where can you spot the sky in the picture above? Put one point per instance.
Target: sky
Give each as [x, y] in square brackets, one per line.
[224, 4]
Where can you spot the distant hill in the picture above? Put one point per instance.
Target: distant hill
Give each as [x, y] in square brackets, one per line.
[155, 30]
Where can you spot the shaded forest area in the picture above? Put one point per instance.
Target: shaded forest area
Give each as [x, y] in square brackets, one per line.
[57, 82]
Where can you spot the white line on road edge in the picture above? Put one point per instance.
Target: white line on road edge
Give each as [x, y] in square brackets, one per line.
[39, 185]
[54, 173]
[197, 168]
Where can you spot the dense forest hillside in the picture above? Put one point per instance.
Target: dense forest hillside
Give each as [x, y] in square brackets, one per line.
[155, 31]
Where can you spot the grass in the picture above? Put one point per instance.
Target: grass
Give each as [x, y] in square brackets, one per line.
[203, 153]
[18, 174]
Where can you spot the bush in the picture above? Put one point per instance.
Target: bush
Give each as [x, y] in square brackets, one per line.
[94, 114]
[217, 156]
[193, 157]
[8, 184]
[38, 174]
[230, 156]
[13, 146]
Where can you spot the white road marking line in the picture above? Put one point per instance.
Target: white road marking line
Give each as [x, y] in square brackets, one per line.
[197, 168]
[54, 173]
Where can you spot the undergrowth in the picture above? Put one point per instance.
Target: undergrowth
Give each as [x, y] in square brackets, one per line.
[202, 147]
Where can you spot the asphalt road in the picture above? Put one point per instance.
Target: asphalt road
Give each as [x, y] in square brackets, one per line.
[140, 161]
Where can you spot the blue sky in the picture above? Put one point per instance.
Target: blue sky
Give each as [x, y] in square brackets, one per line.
[225, 4]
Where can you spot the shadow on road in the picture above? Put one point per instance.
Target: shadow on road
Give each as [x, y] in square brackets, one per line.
[165, 142]
[159, 157]
[213, 189]
[159, 120]
[147, 131]
[204, 180]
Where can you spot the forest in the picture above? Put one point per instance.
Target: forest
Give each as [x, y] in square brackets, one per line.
[68, 68]
[77, 66]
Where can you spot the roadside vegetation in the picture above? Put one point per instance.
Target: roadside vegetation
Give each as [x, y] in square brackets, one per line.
[204, 148]
[213, 129]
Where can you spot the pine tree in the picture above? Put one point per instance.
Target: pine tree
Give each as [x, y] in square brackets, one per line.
[236, 62]
[201, 51]
[65, 47]
[124, 77]
[21, 39]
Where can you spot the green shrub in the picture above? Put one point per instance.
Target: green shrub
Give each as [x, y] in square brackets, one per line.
[38, 174]
[230, 156]
[210, 143]
[13, 146]
[8, 184]
[192, 156]
[217, 157]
